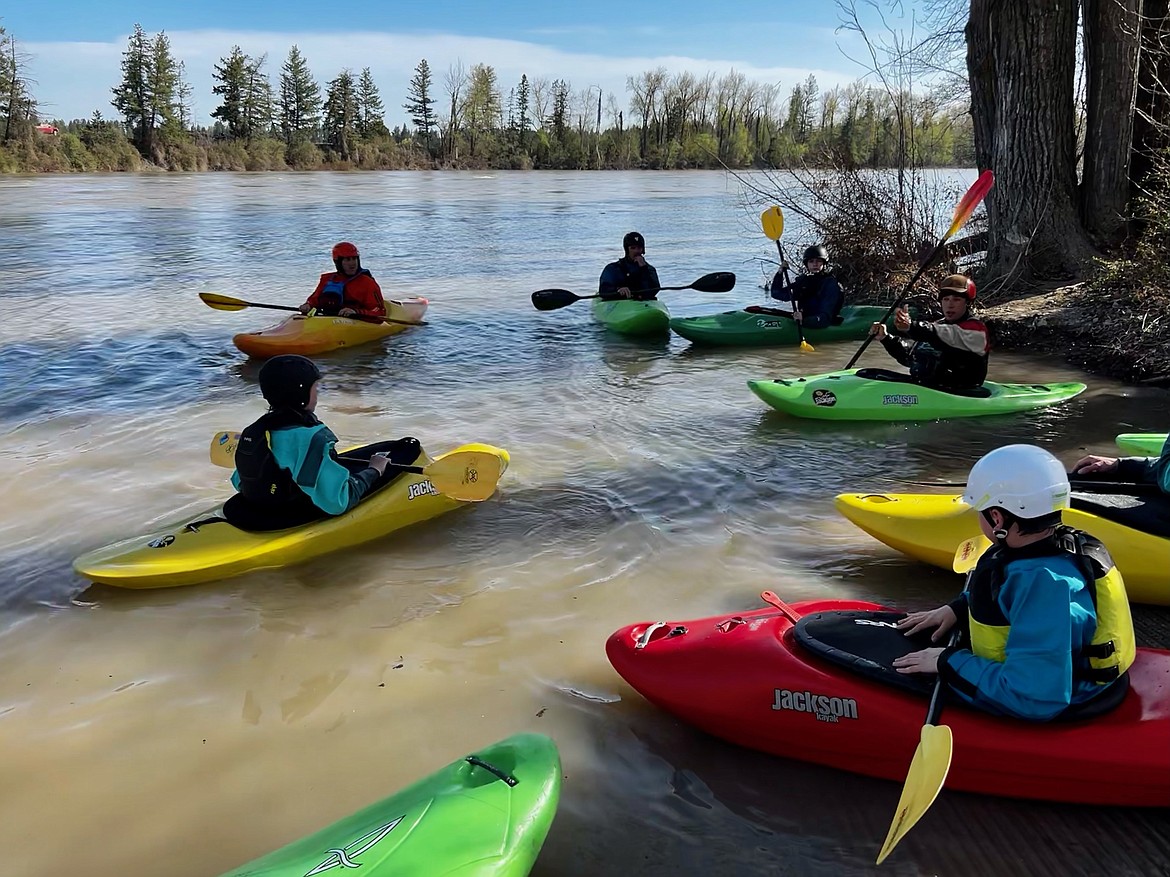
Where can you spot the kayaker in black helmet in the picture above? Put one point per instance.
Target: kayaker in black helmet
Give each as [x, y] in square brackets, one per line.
[1045, 613]
[948, 354]
[287, 469]
[631, 276]
[816, 295]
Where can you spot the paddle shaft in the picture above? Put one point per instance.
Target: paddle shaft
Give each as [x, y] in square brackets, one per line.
[795, 304]
[230, 303]
[1121, 488]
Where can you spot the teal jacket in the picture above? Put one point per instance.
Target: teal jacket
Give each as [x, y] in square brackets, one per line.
[1147, 470]
[307, 454]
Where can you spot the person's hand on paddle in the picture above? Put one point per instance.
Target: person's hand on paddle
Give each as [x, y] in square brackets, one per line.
[901, 320]
[879, 331]
[1094, 465]
[925, 661]
[379, 462]
[304, 309]
[346, 312]
[941, 619]
[624, 292]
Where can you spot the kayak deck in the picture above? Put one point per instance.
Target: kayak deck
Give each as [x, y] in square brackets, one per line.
[770, 327]
[844, 395]
[485, 815]
[632, 317]
[191, 552]
[310, 336]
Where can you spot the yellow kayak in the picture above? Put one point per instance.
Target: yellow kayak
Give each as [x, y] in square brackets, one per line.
[192, 551]
[310, 336]
[929, 527]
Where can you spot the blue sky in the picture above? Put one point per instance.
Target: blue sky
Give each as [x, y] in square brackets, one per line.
[75, 46]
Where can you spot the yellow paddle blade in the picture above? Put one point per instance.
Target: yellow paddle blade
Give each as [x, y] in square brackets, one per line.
[928, 772]
[222, 302]
[468, 476]
[223, 449]
[806, 347]
[968, 553]
[772, 221]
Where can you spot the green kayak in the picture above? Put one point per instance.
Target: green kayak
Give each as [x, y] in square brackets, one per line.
[485, 814]
[1142, 444]
[844, 395]
[633, 317]
[770, 327]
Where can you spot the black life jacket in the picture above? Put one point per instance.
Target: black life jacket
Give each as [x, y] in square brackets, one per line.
[263, 481]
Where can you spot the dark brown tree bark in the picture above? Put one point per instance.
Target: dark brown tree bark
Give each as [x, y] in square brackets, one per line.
[1111, 39]
[1021, 57]
[1151, 124]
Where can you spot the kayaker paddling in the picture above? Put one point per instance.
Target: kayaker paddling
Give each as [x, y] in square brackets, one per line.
[631, 276]
[1047, 621]
[815, 295]
[287, 469]
[350, 291]
[948, 354]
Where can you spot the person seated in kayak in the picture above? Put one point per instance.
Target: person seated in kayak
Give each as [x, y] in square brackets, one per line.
[816, 295]
[948, 354]
[1045, 615]
[287, 469]
[631, 276]
[350, 291]
[1137, 470]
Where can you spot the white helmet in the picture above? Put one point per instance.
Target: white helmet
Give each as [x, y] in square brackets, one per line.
[1022, 479]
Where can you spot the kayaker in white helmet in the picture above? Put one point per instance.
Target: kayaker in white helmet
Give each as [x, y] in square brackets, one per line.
[287, 469]
[816, 295]
[948, 354]
[1046, 621]
[631, 276]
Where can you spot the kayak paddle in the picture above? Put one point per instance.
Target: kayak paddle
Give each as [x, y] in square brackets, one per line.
[468, 476]
[227, 303]
[772, 221]
[552, 299]
[1081, 485]
[963, 210]
[932, 759]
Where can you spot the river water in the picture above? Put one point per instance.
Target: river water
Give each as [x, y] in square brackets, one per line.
[183, 731]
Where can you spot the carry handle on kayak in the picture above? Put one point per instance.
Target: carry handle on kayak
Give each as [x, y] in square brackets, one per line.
[552, 299]
[491, 768]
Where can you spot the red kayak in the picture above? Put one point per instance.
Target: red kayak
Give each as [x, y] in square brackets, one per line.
[752, 679]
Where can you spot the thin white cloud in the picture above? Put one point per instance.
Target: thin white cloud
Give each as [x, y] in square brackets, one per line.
[75, 78]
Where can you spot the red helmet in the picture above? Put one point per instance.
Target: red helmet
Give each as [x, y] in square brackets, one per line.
[958, 283]
[345, 249]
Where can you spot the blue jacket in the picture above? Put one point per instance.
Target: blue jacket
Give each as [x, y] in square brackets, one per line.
[1049, 607]
[632, 276]
[306, 453]
[818, 296]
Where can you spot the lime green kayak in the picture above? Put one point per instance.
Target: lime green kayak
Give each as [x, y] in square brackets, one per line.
[770, 327]
[845, 396]
[485, 815]
[1142, 444]
[632, 317]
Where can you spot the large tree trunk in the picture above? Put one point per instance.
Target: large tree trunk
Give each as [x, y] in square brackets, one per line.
[1151, 124]
[1021, 57]
[1111, 56]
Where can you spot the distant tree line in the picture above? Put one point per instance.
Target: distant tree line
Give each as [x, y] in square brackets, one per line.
[669, 121]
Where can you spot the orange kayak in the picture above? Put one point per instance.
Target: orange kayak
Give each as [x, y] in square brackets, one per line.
[309, 336]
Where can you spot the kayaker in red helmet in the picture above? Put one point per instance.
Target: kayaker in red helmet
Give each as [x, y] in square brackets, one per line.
[631, 276]
[1046, 617]
[287, 470]
[350, 291]
[948, 354]
[815, 295]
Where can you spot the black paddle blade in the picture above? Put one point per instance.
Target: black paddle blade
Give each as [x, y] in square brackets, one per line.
[720, 281]
[551, 299]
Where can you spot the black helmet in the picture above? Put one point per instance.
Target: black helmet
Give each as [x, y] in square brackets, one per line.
[817, 252]
[285, 380]
[633, 239]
